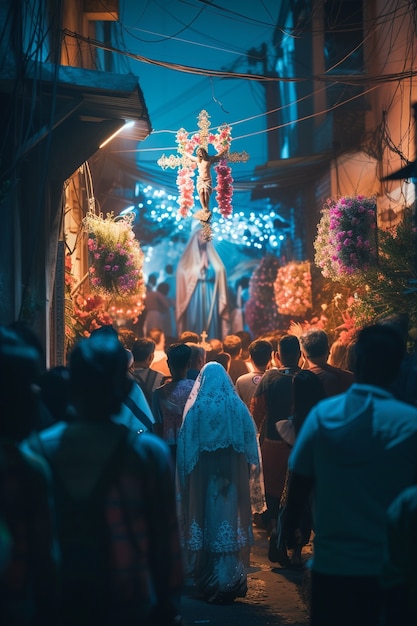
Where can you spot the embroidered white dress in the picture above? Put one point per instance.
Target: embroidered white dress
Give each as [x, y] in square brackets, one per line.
[217, 461]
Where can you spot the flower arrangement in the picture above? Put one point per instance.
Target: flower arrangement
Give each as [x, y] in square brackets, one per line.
[224, 188]
[222, 141]
[89, 313]
[387, 290]
[346, 237]
[116, 257]
[292, 288]
[185, 185]
[83, 312]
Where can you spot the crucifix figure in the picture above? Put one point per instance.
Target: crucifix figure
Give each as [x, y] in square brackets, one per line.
[204, 180]
[186, 161]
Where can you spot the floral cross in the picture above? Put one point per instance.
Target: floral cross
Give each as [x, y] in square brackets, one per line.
[186, 166]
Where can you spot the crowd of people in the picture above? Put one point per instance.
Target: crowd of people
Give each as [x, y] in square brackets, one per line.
[136, 473]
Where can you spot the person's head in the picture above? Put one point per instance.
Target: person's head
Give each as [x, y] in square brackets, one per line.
[179, 358]
[398, 322]
[338, 354]
[246, 340]
[107, 330]
[214, 381]
[315, 344]
[350, 353]
[143, 351]
[223, 358]
[308, 390]
[158, 337]
[198, 356]
[188, 336]
[244, 282]
[163, 288]
[378, 353]
[98, 376]
[202, 153]
[169, 269]
[127, 337]
[260, 352]
[29, 338]
[152, 280]
[273, 340]
[289, 351]
[20, 366]
[216, 346]
[232, 344]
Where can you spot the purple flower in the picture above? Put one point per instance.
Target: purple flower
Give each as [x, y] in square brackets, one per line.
[107, 268]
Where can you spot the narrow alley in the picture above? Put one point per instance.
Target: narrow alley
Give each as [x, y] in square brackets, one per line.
[276, 596]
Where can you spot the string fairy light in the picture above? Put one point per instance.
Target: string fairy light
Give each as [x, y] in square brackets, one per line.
[254, 231]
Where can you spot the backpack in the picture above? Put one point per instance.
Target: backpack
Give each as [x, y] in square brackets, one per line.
[147, 383]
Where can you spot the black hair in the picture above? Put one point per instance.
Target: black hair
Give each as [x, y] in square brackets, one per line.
[315, 343]
[107, 331]
[260, 352]
[142, 349]
[98, 375]
[379, 351]
[179, 356]
[232, 344]
[20, 366]
[289, 350]
[188, 335]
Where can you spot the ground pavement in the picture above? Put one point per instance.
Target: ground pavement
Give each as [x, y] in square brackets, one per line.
[276, 596]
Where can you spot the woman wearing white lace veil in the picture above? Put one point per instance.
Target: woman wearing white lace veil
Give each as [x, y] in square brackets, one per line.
[216, 456]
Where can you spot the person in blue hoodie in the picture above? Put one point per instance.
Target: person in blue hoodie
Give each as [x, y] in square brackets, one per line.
[355, 453]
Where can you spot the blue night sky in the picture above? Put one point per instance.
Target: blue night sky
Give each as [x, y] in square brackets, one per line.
[200, 34]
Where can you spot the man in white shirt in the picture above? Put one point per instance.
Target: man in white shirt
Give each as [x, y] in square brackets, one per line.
[159, 362]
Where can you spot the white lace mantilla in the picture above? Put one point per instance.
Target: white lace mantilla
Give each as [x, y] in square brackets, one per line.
[214, 418]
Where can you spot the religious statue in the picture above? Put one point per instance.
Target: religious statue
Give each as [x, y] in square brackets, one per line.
[204, 181]
[202, 302]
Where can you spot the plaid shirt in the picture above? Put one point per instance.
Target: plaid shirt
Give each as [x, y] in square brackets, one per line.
[145, 567]
[29, 584]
